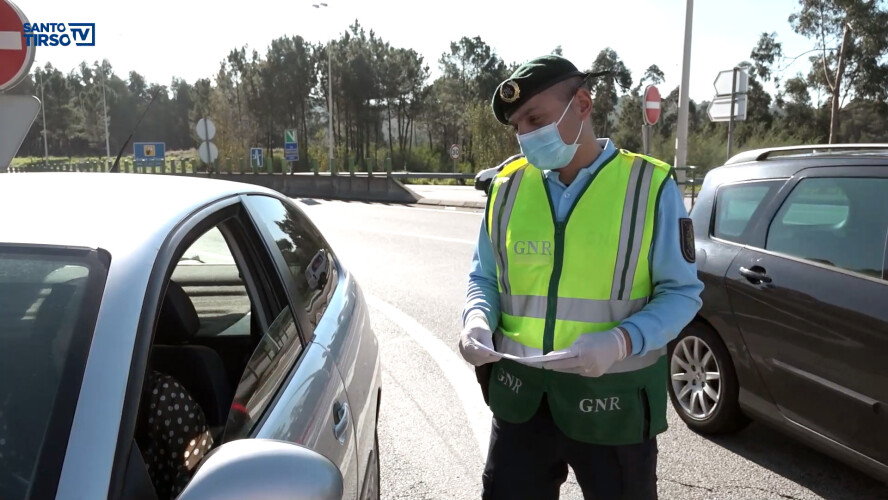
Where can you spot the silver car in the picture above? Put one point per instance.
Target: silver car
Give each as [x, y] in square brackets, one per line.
[106, 278]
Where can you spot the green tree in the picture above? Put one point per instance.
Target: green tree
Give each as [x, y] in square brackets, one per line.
[851, 38]
[605, 90]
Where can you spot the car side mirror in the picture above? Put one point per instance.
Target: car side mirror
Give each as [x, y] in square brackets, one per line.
[267, 469]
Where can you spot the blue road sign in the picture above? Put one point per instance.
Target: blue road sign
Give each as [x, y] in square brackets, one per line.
[149, 150]
[291, 146]
[256, 157]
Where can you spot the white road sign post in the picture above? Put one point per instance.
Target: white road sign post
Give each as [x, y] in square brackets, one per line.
[454, 155]
[730, 102]
[207, 151]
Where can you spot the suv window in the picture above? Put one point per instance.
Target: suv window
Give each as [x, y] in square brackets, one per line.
[734, 206]
[839, 222]
[308, 257]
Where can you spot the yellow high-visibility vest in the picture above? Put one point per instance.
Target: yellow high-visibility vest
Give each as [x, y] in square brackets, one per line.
[585, 274]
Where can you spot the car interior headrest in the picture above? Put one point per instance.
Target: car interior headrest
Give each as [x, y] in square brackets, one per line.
[178, 320]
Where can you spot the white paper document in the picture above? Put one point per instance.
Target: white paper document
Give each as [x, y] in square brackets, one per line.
[529, 360]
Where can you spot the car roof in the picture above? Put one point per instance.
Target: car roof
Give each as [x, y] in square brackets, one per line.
[116, 212]
[784, 166]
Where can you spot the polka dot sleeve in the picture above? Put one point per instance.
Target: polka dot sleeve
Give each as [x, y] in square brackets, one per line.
[178, 433]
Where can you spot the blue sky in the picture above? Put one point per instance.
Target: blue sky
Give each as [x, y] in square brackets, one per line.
[188, 39]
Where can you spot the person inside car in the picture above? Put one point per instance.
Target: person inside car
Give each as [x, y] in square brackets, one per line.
[173, 434]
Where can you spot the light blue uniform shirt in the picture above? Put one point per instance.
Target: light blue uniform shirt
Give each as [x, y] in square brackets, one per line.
[676, 295]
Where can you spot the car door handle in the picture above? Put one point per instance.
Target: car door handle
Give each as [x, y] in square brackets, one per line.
[341, 418]
[755, 275]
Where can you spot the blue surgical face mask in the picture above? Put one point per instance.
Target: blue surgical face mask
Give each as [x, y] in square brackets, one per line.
[544, 147]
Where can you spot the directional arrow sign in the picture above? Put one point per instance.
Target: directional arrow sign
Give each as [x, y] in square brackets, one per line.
[720, 108]
[723, 81]
[291, 145]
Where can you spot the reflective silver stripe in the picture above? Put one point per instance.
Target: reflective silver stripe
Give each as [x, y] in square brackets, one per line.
[568, 309]
[638, 236]
[494, 229]
[623, 249]
[506, 345]
[503, 224]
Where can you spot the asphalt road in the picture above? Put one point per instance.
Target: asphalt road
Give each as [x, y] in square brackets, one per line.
[412, 264]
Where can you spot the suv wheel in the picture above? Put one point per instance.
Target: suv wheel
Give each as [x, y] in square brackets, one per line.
[703, 384]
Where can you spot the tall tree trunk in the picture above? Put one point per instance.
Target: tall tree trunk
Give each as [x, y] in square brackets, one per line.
[304, 130]
[391, 148]
[836, 89]
[431, 144]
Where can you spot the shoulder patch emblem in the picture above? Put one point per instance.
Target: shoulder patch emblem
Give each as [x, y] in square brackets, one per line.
[686, 239]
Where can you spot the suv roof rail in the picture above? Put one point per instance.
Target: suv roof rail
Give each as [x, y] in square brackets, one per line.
[765, 153]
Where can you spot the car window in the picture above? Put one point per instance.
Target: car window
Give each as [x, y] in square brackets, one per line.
[213, 282]
[46, 315]
[840, 222]
[266, 370]
[213, 349]
[735, 205]
[303, 248]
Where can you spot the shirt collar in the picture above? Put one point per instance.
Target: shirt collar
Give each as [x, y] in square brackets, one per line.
[607, 150]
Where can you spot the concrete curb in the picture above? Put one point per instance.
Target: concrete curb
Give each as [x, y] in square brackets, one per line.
[452, 203]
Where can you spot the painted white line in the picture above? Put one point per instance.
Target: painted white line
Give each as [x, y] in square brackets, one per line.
[409, 235]
[457, 372]
[10, 40]
[444, 209]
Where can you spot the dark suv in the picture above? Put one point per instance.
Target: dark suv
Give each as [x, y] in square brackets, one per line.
[792, 245]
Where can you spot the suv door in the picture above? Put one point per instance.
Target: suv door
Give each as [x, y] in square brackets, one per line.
[325, 305]
[809, 296]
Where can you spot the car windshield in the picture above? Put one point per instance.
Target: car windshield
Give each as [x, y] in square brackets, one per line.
[47, 312]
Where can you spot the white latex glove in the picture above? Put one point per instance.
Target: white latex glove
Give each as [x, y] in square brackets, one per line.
[595, 354]
[476, 330]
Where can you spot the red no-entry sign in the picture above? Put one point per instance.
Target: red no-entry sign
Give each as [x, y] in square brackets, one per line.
[651, 105]
[16, 56]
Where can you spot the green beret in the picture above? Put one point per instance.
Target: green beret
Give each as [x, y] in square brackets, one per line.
[530, 79]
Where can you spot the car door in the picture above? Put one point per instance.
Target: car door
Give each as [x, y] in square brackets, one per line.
[809, 296]
[306, 264]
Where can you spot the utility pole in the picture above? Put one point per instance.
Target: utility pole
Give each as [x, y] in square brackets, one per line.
[329, 95]
[330, 101]
[105, 117]
[731, 122]
[43, 112]
[681, 138]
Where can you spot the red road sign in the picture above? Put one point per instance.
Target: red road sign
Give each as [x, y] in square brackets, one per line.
[651, 103]
[15, 56]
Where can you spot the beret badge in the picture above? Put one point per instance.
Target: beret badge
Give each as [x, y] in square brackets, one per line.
[509, 91]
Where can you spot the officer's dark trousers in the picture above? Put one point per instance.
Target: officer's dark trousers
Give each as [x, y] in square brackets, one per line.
[530, 461]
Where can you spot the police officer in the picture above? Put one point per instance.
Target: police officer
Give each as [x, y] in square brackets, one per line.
[585, 255]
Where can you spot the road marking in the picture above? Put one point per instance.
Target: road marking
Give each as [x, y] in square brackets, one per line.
[444, 209]
[409, 235]
[455, 370]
